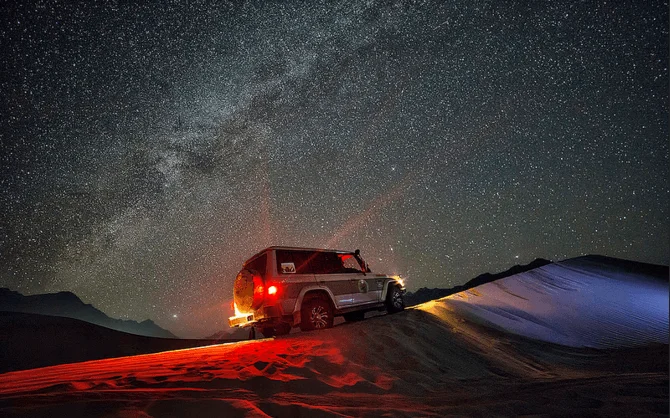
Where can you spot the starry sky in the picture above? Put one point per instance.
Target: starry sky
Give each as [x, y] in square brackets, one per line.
[148, 148]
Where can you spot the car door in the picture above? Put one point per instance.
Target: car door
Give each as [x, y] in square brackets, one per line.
[329, 273]
[364, 287]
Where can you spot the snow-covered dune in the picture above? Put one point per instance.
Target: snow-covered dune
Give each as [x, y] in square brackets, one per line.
[589, 301]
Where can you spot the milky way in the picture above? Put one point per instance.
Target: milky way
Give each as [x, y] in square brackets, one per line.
[148, 150]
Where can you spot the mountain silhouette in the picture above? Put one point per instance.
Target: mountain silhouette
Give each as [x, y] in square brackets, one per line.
[67, 304]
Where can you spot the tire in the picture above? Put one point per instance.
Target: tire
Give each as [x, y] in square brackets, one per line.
[354, 316]
[394, 300]
[316, 313]
[268, 332]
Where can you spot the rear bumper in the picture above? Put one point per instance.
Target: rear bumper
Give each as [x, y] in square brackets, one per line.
[241, 321]
[264, 314]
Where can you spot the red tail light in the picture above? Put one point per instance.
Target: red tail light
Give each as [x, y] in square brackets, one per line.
[259, 290]
[272, 290]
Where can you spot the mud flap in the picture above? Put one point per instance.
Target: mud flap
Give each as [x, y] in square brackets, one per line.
[296, 318]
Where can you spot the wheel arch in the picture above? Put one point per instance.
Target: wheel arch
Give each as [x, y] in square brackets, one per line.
[306, 294]
[387, 288]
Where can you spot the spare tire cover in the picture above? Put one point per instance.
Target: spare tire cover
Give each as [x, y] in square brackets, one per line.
[243, 291]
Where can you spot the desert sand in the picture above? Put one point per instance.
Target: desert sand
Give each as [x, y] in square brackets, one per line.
[453, 356]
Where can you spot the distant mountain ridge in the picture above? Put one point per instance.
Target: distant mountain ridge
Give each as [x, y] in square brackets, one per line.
[67, 304]
[425, 294]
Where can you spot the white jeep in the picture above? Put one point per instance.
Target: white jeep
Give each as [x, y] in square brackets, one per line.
[283, 287]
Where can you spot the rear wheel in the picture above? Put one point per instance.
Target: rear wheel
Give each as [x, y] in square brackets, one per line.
[394, 300]
[316, 313]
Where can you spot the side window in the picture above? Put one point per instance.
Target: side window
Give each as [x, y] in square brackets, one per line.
[293, 262]
[258, 264]
[350, 263]
[315, 262]
[326, 263]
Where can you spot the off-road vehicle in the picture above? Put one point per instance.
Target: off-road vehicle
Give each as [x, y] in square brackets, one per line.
[283, 287]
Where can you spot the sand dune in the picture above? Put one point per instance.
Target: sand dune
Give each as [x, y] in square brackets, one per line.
[432, 360]
[582, 302]
[31, 340]
[409, 364]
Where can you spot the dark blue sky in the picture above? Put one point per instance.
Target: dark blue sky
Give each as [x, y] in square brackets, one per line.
[148, 150]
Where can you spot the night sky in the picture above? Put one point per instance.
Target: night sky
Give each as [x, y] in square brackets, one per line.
[147, 150]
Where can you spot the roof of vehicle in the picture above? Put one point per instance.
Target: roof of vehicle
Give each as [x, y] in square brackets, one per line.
[275, 247]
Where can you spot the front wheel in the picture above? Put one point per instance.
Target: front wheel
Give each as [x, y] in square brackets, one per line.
[316, 314]
[394, 300]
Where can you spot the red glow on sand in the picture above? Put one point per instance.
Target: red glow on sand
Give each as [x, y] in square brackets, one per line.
[225, 371]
